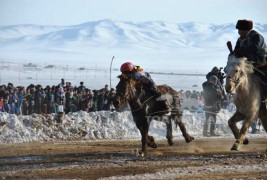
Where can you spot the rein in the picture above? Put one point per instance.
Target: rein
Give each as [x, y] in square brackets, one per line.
[141, 106]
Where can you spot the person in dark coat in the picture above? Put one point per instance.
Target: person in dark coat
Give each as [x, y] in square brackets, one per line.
[251, 45]
[37, 100]
[216, 71]
[212, 97]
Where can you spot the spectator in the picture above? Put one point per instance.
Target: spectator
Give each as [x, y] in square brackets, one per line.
[20, 100]
[212, 96]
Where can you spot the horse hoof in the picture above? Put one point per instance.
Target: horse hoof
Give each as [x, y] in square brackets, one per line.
[141, 154]
[154, 145]
[170, 142]
[151, 142]
[235, 147]
[245, 141]
[189, 138]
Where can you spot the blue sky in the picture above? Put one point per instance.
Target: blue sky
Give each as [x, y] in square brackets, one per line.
[71, 12]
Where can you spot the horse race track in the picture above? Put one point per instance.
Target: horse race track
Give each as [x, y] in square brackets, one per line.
[206, 158]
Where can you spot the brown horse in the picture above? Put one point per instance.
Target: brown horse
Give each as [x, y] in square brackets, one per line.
[249, 102]
[145, 108]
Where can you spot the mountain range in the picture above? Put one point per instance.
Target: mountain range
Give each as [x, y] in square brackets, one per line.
[94, 43]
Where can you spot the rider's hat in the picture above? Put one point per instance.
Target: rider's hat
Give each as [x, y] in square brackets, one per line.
[127, 67]
[244, 25]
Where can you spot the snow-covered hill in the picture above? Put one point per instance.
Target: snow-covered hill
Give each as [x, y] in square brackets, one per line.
[165, 43]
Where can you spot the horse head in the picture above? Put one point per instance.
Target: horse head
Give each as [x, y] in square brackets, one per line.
[235, 70]
[123, 91]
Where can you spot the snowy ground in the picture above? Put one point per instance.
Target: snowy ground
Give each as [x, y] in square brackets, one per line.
[95, 126]
[105, 145]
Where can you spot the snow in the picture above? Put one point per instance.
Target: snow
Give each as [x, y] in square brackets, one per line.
[174, 173]
[102, 125]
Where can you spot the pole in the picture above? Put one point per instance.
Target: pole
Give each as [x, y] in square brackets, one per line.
[110, 71]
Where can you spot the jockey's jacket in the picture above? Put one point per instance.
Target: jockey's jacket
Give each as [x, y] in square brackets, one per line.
[144, 78]
[252, 47]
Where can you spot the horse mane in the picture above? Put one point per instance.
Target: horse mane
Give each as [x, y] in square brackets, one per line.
[245, 66]
[243, 63]
[122, 76]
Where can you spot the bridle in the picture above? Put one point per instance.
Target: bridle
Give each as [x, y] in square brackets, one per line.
[235, 81]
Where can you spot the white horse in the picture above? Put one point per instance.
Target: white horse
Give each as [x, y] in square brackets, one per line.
[249, 101]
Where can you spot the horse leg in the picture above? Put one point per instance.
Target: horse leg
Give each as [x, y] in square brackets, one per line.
[232, 123]
[150, 139]
[240, 136]
[178, 120]
[264, 122]
[169, 131]
[143, 128]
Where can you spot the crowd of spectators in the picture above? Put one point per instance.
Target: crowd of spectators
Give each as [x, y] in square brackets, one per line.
[66, 98]
[194, 100]
[53, 99]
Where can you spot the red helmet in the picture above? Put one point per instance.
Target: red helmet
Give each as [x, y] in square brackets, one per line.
[127, 67]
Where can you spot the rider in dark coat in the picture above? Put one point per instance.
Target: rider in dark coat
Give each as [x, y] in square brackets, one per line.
[251, 45]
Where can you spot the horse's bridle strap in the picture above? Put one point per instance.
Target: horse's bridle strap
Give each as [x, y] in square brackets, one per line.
[143, 104]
